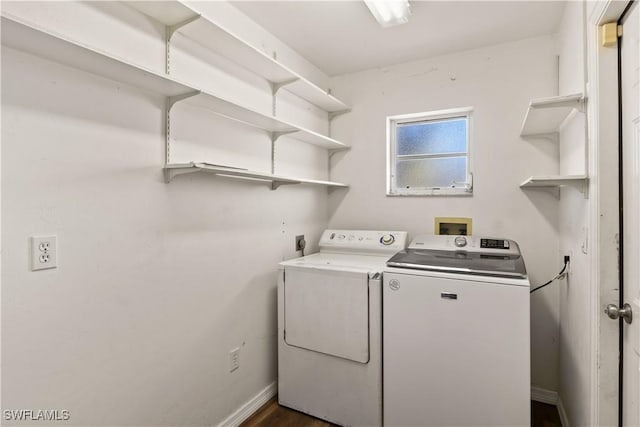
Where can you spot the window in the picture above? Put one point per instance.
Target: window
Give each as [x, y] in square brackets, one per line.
[429, 153]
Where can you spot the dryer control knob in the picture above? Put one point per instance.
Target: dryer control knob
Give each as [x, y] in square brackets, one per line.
[387, 239]
[460, 241]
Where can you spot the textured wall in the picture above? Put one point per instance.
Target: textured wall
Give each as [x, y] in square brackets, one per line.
[498, 82]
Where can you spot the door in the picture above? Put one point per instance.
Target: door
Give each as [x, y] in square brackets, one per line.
[630, 165]
[327, 311]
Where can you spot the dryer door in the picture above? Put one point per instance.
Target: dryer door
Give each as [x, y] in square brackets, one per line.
[327, 311]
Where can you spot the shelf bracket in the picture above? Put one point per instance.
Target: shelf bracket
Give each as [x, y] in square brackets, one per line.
[274, 137]
[276, 184]
[333, 151]
[170, 173]
[275, 87]
[169, 103]
[170, 30]
[551, 137]
[173, 100]
[332, 115]
[584, 188]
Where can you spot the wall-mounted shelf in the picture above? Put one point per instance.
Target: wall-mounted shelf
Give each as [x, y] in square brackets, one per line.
[546, 116]
[579, 182]
[175, 169]
[179, 17]
[57, 48]
[266, 122]
[554, 181]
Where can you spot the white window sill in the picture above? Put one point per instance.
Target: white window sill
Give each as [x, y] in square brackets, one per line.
[441, 192]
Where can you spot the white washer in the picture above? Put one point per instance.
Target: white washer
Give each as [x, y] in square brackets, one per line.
[456, 334]
[329, 327]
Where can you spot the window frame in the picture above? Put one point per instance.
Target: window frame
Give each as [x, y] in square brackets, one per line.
[393, 121]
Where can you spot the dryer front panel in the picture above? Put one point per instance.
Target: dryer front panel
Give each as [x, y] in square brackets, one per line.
[327, 311]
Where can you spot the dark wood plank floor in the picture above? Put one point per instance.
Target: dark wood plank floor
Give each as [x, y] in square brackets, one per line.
[274, 415]
[544, 415]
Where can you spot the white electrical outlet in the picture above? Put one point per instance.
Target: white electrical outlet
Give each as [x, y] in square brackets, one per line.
[43, 253]
[234, 359]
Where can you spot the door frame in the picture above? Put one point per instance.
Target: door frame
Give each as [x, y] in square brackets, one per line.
[603, 129]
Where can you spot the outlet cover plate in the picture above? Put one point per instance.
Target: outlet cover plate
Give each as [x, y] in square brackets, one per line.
[234, 359]
[44, 252]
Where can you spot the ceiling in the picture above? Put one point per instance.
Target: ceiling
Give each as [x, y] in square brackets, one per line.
[342, 36]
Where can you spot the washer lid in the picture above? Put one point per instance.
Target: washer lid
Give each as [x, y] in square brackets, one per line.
[479, 263]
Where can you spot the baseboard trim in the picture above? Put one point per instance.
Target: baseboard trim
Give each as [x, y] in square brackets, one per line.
[563, 414]
[543, 395]
[249, 408]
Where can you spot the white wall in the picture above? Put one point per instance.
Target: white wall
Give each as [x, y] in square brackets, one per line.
[575, 296]
[156, 282]
[498, 81]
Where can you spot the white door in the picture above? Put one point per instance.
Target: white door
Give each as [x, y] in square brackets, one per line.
[630, 87]
[327, 311]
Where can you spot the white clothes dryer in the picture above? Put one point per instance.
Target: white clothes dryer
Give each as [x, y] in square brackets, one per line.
[329, 327]
[456, 334]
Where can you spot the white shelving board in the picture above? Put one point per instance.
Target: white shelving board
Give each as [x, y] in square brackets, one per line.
[554, 181]
[25, 37]
[174, 169]
[57, 48]
[546, 116]
[216, 37]
[266, 122]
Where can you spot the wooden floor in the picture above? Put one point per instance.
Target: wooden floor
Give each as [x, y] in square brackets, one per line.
[274, 415]
[544, 415]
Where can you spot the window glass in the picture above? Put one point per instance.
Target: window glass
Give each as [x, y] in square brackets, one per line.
[432, 172]
[429, 137]
[429, 153]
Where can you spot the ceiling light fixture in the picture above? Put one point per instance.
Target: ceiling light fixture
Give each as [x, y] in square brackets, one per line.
[389, 12]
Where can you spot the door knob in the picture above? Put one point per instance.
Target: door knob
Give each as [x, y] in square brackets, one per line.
[614, 312]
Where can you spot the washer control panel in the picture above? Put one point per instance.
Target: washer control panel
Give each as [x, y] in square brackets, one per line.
[363, 241]
[465, 243]
[494, 244]
[387, 239]
[460, 241]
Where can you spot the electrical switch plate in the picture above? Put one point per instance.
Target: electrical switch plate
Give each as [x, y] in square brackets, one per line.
[234, 359]
[43, 253]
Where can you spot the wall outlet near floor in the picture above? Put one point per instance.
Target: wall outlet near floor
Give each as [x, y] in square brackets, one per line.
[234, 359]
[300, 242]
[43, 253]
